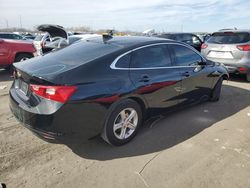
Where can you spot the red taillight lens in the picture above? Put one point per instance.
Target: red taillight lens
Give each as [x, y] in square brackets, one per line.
[244, 47]
[204, 46]
[242, 69]
[56, 93]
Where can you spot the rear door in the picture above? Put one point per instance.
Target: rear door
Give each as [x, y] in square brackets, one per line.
[196, 79]
[154, 77]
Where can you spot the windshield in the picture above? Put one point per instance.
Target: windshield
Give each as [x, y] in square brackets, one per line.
[229, 38]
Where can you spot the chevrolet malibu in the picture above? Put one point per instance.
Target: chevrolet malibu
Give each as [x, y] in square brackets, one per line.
[109, 85]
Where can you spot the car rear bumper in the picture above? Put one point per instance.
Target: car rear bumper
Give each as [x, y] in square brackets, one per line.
[235, 67]
[71, 121]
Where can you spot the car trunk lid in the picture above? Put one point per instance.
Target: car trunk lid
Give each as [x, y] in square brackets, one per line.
[53, 30]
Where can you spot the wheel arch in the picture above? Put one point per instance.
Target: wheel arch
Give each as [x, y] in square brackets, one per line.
[20, 53]
[225, 76]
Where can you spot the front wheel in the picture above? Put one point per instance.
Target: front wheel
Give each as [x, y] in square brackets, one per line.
[122, 123]
[216, 91]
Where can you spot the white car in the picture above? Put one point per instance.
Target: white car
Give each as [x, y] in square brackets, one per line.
[45, 42]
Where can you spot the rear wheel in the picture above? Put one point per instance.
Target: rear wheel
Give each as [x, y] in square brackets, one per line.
[22, 57]
[19, 58]
[122, 123]
[216, 91]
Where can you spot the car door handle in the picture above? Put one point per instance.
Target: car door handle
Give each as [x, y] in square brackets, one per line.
[144, 78]
[186, 74]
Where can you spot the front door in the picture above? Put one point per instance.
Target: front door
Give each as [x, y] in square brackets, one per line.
[154, 77]
[196, 79]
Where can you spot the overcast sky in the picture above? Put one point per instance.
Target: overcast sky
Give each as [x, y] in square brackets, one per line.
[162, 15]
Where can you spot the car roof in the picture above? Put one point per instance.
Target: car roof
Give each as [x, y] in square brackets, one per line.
[176, 33]
[129, 41]
[234, 31]
[8, 33]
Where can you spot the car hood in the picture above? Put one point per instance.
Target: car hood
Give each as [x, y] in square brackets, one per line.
[53, 30]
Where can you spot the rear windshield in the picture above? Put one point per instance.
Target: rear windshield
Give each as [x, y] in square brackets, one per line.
[229, 38]
[68, 58]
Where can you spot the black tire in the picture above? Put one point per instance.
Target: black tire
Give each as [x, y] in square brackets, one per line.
[109, 134]
[216, 91]
[20, 57]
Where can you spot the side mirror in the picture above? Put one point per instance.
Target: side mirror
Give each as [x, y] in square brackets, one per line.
[202, 63]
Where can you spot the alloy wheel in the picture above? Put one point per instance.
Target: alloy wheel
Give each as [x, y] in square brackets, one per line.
[125, 123]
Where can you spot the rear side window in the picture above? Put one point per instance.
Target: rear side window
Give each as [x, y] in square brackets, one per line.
[184, 56]
[153, 56]
[229, 38]
[123, 62]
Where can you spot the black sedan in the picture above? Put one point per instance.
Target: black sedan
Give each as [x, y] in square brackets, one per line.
[109, 85]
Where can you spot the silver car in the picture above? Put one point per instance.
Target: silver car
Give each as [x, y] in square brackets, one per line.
[230, 47]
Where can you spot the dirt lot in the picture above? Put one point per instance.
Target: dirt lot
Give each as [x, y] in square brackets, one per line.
[207, 145]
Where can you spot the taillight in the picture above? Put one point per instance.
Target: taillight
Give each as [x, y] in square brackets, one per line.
[242, 69]
[56, 93]
[204, 46]
[245, 47]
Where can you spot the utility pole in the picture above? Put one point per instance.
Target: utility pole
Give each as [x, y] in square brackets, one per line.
[6, 22]
[20, 21]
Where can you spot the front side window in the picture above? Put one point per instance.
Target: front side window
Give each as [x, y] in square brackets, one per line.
[149, 57]
[184, 56]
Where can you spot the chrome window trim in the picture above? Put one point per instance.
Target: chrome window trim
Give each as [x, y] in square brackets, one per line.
[113, 64]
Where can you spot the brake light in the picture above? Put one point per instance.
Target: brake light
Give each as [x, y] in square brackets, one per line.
[242, 69]
[55, 93]
[204, 46]
[245, 47]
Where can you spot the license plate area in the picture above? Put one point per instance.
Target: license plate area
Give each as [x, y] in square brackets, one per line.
[220, 55]
[22, 86]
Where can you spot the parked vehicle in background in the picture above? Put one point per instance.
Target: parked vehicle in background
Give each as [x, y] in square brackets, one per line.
[189, 38]
[108, 85]
[232, 48]
[29, 36]
[56, 45]
[75, 38]
[14, 51]
[9, 35]
[51, 34]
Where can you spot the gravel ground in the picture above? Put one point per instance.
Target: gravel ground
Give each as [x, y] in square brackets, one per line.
[207, 145]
